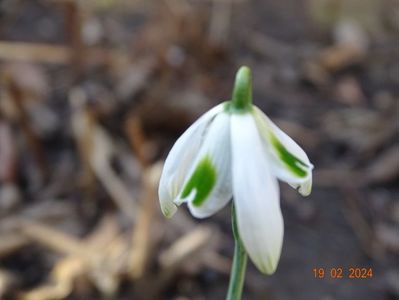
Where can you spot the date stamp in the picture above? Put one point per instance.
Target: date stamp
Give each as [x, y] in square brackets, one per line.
[341, 273]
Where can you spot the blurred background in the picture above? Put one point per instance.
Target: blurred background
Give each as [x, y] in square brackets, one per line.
[94, 93]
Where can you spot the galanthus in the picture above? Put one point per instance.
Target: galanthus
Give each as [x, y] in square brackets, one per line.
[234, 151]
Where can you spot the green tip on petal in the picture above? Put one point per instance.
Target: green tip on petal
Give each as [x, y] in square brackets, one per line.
[168, 212]
[242, 93]
[202, 180]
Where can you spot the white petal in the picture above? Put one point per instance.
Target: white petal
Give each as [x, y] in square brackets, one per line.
[216, 147]
[180, 159]
[276, 143]
[256, 195]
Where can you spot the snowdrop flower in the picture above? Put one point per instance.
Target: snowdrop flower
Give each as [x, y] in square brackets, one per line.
[235, 151]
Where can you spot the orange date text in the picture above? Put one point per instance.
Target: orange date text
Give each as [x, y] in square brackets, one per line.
[341, 272]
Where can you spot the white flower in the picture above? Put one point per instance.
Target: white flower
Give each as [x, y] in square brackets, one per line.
[236, 151]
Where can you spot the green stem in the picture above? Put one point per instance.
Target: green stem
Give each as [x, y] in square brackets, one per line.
[237, 274]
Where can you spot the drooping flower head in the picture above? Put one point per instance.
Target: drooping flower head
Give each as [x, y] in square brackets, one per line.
[235, 151]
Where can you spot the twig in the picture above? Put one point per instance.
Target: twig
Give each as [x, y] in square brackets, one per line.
[101, 155]
[217, 262]
[7, 280]
[220, 21]
[8, 154]
[172, 258]
[73, 29]
[361, 227]
[141, 238]
[185, 246]
[98, 257]
[55, 240]
[137, 139]
[24, 122]
[10, 242]
[56, 54]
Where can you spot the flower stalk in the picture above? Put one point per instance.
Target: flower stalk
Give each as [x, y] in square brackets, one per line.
[239, 266]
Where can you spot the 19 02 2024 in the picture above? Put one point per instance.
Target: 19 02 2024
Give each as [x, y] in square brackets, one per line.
[341, 272]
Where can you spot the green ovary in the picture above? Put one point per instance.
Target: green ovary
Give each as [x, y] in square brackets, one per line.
[202, 180]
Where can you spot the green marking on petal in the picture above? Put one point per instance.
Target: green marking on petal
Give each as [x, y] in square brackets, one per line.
[292, 162]
[202, 180]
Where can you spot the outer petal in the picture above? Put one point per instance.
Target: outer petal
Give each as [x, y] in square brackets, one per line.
[180, 159]
[208, 189]
[256, 195]
[288, 161]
